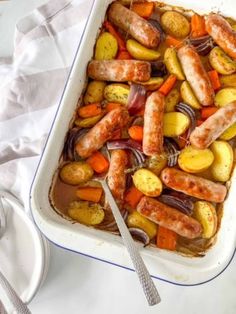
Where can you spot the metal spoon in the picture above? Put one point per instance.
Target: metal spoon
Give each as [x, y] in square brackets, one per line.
[145, 279]
[16, 302]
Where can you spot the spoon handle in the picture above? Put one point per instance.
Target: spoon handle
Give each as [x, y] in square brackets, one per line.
[19, 306]
[145, 279]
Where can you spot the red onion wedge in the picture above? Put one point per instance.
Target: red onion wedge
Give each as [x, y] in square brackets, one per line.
[134, 146]
[136, 99]
[171, 149]
[140, 235]
[158, 26]
[187, 110]
[73, 135]
[203, 45]
[180, 202]
[158, 68]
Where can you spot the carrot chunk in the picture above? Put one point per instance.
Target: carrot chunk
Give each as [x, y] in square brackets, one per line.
[98, 162]
[136, 132]
[143, 9]
[214, 78]
[198, 28]
[112, 105]
[207, 112]
[167, 86]
[90, 194]
[90, 110]
[132, 197]
[111, 29]
[166, 239]
[173, 42]
[123, 55]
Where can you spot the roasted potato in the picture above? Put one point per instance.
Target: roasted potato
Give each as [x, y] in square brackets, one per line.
[223, 160]
[138, 51]
[172, 63]
[88, 122]
[76, 172]
[147, 182]
[222, 63]
[188, 95]
[117, 93]
[228, 80]
[229, 133]
[94, 92]
[205, 213]
[225, 96]
[152, 84]
[175, 24]
[195, 160]
[106, 47]
[157, 163]
[175, 124]
[136, 220]
[85, 213]
[171, 100]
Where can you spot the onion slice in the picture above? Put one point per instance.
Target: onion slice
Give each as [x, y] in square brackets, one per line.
[158, 26]
[179, 201]
[73, 136]
[203, 45]
[140, 235]
[171, 149]
[136, 98]
[158, 68]
[187, 110]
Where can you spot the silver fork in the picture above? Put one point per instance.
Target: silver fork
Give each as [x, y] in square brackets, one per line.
[16, 302]
[145, 279]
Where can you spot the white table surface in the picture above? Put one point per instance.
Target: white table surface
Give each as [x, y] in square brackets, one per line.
[77, 284]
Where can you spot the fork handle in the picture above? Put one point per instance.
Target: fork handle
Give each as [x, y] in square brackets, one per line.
[145, 279]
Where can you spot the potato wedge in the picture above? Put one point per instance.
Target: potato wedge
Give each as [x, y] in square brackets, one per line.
[188, 95]
[194, 160]
[228, 80]
[94, 92]
[76, 172]
[225, 96]
[172, 63]
[136, 220]
[147, 182]
[88, 122]
[106, 47]
[175, 24]
[171, 100]
[229, 133]
[152, 84]
[175, 124]
[157, 163]
[205, 213]
[222, 63]
[138, 51]
[85, 213]
[223, 160]
[117, 93]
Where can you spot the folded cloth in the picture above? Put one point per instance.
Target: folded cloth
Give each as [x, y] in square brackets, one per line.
[31, 84]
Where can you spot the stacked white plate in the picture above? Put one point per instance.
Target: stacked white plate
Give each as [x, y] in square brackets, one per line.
[24, 253]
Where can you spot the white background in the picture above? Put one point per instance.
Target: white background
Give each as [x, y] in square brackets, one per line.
[77, 284]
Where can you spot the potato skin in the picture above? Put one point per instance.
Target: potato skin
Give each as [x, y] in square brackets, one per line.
[88, 122]
[175, 24]
[85, 213]
[221, 62]
[171, 100]
[76, 172]
[147, 182]
[223, 162]
[172, 63]
[188, 95]
[228, 80]
[229, 133]
[140, 52]
[205, 213]
[94, 92]
[175, 124]
[194, 160]
[106, 47]
[225, 96]
[135, 220]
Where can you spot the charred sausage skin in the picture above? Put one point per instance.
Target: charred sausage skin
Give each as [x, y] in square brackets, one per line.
[169, 217]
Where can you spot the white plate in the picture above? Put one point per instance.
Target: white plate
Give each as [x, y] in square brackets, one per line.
[24, 253]
[168, 266]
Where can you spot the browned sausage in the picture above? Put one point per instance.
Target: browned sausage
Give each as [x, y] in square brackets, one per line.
[222, 33]
[153, 124]
[194, 186]
[133, 24]
[101, 132]
[196, 75]
[169, 217]
[116, 178]
[214, 126]
[119, 70]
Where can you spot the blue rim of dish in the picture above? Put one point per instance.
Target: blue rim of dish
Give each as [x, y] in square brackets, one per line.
[87, 255]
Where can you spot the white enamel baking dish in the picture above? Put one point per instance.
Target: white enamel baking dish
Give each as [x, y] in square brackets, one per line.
[101, 245]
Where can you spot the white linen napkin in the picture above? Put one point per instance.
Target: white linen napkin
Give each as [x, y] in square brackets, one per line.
[31, 84]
